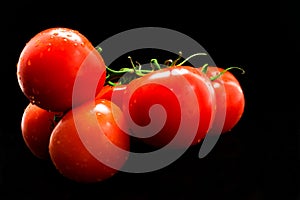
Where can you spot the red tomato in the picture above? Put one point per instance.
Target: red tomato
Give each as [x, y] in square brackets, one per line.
[112, 93]
[187, 97]
[234, 97]
[50, 63]
[84, 133]
[36, 126]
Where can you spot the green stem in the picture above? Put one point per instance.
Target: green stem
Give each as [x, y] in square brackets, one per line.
[155, 64]
[196, 54]
[99, 49]
[168, 62]
[125, 75]
[225, 70]
[122, 71]
[204, 68]
[175, 61]
[111, 83]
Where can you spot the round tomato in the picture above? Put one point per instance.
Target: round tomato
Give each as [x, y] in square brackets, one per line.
[52, 61]
[227, 85]
[112, 93]
[88, 145]
[172, 106]
[36, 126]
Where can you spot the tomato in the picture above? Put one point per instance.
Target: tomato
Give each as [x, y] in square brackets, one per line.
[85, 138]
[234, 97]
[36, 126]
[52, 61]
[112, 93]
[188, 102]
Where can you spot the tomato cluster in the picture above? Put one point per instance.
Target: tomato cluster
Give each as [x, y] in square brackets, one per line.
[55, 123]
[79, 133]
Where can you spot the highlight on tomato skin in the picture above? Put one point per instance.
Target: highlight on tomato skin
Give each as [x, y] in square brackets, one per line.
[159, 87]
[112, 93]
[84, 138]
[51, 62]
[85, 131]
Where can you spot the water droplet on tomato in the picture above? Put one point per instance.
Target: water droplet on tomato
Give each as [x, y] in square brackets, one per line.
[49, 49]
[28, 62]
[37, 43]
[216, 85]
[82, 44]
[65, 39]
[75, 44]
[55, 34]
[69, 35]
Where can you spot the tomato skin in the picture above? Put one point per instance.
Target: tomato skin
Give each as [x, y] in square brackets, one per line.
[112, 93]
[50, 63]
[36, 127]
[70, 155]
[234, 97]
[142, 93]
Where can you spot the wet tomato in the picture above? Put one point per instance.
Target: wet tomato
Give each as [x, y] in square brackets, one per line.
[88, 145]
[52, 61]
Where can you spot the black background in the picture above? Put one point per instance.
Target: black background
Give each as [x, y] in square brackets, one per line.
[258, 160]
